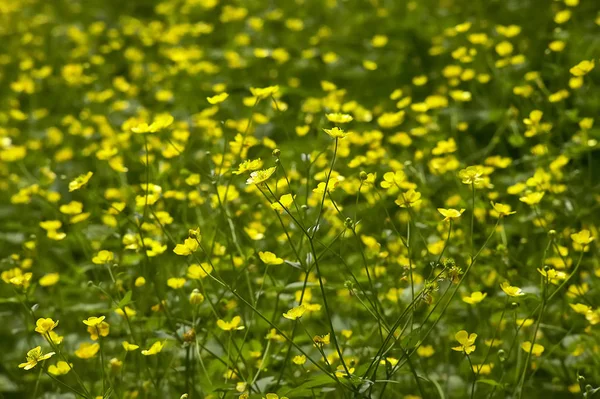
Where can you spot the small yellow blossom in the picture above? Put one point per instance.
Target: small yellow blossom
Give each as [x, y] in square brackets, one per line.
[295, 313]
[34, 356]
[450, 214]
[466, 341]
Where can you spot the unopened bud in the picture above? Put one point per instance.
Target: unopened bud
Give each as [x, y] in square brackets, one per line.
[196, 297]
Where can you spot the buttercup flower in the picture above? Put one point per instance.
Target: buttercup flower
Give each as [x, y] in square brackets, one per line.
[450, 214]
[34, 356]
[466, 341]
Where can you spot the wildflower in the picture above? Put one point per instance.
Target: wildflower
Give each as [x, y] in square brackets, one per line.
[219, 98]
[532, 198]
[34, 356]
[61, 368]
[94, 321]
[269, 258]
[466, 342]
[156, 348]
[103, 257]
[339, 118]
[189, 246]
[583, 238]
[49, 279]
[285, 201]
[425, 351]
[262, 93]
[80, 181]
[295, 313]
[450, 214]
[87, 350]
[511, 290]
[502, 209]
[126, 311]
[408, 199]
[196, 297]
[471, 175]
[336, 133]
[341, 371]
[176, 282]
[197, 272]
[474, 298]
[129, 347]
[44, 326]
[299, 360]
[261, 176]
[248, 166]
[234, 324]
[274, 396]
[537, 349]
[321, 340]
[582, 68]
[100, 330]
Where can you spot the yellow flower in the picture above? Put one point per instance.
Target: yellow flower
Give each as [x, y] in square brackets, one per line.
[474, 298]
[176, 282]
[336, 132]
[425, 351]
[582, 68]
[94, 321]
[532, 198]
[130, 312]
[248, 166]
[101, 330]
[581, 308]
[61, 368]
[583, 238]
[285, 201]
[80, 181]
[130, 347]
[339, 118]
[34, 356]
[466, 342]
[471, 175]
[234, 324]
[408, 199]
[219, 98]
[502, 209]
[450, 214]
[270, 258]
[299, 360]
[160, 122]
[44, 326]
[274, 396]
[536, 351]
[295, 313]
[87, 350]
[189, 246]
[321, 340]
[103, 257]
[262, 93]
[156, 347]
[197, 272]
[196, 297]
[261, 176]
[511, 290]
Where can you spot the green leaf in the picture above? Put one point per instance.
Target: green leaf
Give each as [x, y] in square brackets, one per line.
[492, 383]
[126, 299]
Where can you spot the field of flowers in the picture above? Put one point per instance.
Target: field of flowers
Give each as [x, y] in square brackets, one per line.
[299, 199]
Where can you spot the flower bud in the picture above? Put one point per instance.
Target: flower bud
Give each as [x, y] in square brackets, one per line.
[196, 297]
[276, 152]
[363, 175]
